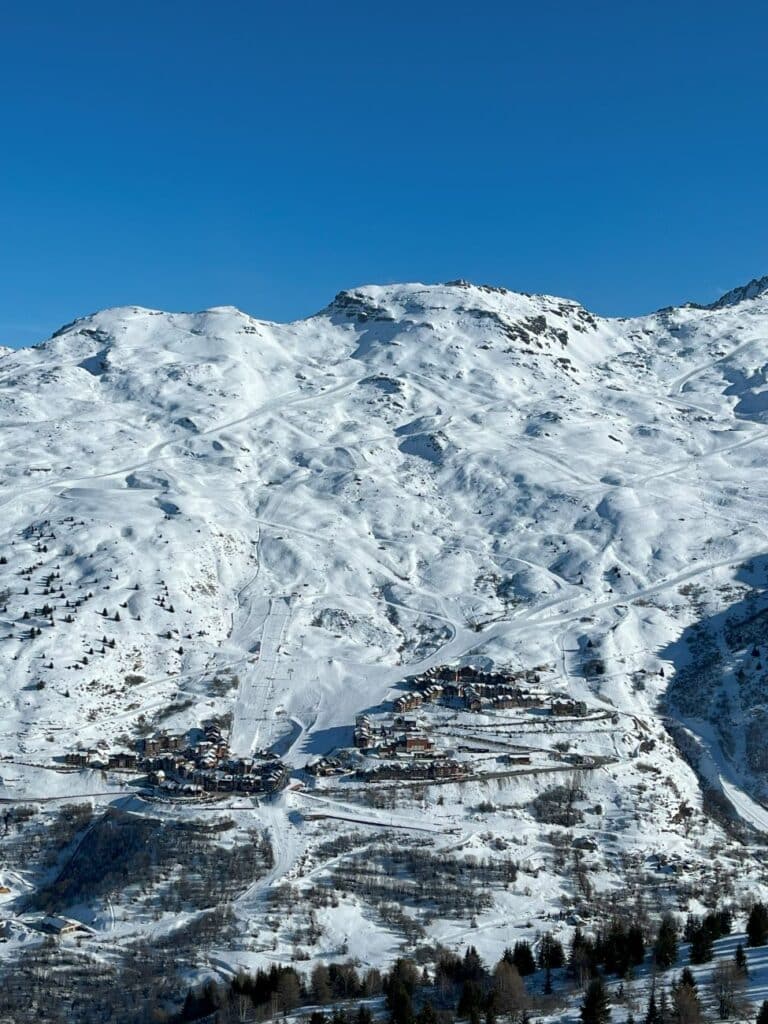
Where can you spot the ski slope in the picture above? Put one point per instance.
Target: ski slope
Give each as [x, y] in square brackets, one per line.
[261, 684]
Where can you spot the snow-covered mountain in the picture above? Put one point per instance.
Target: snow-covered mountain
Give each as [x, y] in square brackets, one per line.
[208, 514]
[752, 290]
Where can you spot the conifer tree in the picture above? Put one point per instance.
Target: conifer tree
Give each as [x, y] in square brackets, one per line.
[595, 1008]
[399, 1003]
[726, 921]
[665, 950]
[580, 957]
[757, 925]
[522, 958]
[472, 968]
[652, 1015]
[470, 999]
[635, 945]
[740, 958]
[551, 953]
[701, 945]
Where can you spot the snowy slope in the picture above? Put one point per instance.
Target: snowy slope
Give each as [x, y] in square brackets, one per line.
[285, 520]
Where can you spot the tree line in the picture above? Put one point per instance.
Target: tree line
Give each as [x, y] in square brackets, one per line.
[464, 987]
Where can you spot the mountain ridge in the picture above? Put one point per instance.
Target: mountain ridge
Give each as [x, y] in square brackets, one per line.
[281, 526]
[348, 298]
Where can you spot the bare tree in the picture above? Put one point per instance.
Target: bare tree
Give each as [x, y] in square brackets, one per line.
[685, 1005]
[508, 988]
[728, 990]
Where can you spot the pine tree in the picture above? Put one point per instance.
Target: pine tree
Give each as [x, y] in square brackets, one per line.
[550, 952]
[692, 925]
[595, 1008]
[579, 957]
[726, 921]
[701, 946]
[470, 999]
[320, 982]
[740, 959]
[652, 1015]
[522, 958]
[636, 945]
[550, 955]
[762, 1016]
[713, 923]
[472, 968]
[615, 950]
[665, 950]
[400, 1005]
[757, 925]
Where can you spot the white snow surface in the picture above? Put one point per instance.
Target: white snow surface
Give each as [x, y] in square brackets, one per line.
[416, 475]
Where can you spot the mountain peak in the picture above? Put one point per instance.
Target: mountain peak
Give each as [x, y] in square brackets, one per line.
[753, 289]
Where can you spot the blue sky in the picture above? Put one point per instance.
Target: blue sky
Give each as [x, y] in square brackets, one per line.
[188, 154]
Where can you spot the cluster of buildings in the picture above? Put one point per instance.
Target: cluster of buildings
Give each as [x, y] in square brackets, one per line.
[188, 764]
[567, 707]
[403, 744]
[472, 696]
[432, 769]
[400, 736]
[471, 674]
[323, 767]
[476, 690]
[403, 750]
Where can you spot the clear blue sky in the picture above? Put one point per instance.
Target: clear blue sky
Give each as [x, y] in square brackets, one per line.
[266, 155]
